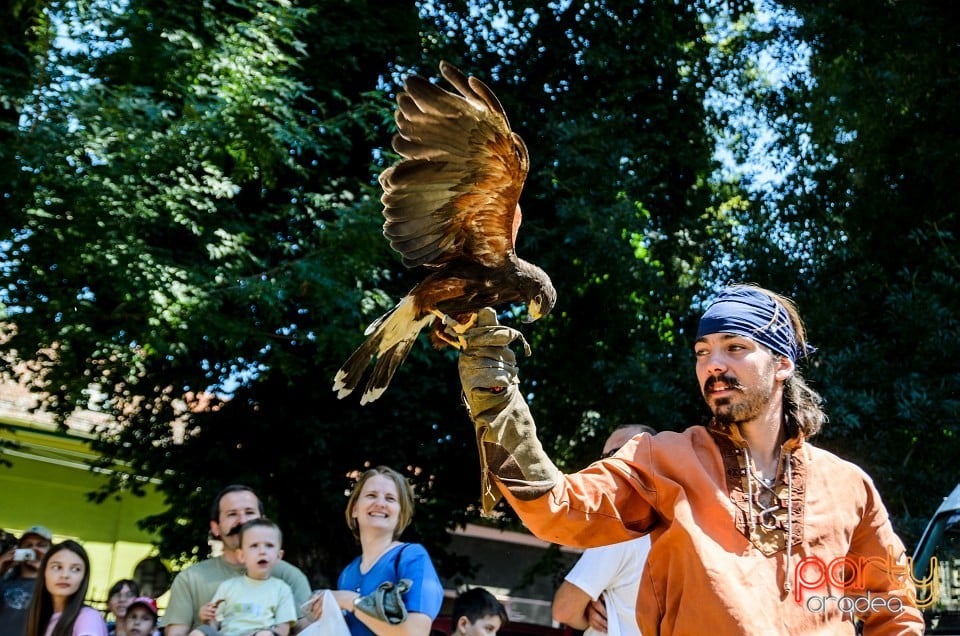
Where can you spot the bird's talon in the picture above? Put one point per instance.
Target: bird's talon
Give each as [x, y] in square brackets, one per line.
[444, 318]
[458, 343]
[453, 332]
[462, 327]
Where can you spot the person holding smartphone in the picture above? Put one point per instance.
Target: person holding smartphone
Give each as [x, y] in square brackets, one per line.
[19, 567]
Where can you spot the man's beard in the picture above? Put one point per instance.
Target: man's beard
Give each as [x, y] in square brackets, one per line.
[749, 406]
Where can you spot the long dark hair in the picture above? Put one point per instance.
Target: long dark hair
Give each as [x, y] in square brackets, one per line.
[117, 587]
[803, 407]
[41, 605]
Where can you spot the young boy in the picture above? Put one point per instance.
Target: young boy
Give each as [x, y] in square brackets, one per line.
[254, 604]
[477, 612]
[141, 617]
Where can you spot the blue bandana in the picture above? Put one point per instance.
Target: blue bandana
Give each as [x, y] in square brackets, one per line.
[744, 311]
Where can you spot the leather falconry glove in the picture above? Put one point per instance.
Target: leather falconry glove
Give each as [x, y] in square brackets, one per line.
[506, 434]
[386, 602]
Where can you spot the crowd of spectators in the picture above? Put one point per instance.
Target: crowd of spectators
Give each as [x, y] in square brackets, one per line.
[390, 589]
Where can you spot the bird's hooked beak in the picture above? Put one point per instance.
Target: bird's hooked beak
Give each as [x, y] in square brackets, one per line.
[534, 310]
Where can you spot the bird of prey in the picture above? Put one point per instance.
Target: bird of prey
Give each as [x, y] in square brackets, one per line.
[451, 206]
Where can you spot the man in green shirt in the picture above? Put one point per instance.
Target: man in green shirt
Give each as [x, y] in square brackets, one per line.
[193, 588]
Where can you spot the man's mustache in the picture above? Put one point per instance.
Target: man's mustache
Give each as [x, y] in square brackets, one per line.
[730, 381]
[234, 530]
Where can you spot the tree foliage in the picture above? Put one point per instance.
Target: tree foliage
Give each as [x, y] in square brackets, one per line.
[880, 111]
[863, 230]
[192, 234]
[618, 208]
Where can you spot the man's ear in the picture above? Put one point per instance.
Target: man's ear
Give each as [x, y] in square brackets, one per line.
[215, 531]
[785, 367]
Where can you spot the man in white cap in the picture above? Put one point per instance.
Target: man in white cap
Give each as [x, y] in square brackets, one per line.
[19, 568]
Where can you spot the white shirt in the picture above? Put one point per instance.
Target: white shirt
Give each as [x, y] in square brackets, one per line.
[614, 571]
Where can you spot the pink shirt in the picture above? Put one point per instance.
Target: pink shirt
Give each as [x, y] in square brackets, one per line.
[89, 623]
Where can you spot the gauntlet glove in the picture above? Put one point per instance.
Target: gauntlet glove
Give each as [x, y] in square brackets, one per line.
[386, 602]
[506, 434]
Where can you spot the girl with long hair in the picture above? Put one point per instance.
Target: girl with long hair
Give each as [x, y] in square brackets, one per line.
[57, 607]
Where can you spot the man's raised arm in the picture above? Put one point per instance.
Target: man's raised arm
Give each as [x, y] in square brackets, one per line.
[506, 434]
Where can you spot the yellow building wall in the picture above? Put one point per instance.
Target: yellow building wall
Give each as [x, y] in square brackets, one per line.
[48, 483]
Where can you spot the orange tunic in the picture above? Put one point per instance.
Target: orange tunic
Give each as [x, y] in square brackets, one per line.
[719, 565]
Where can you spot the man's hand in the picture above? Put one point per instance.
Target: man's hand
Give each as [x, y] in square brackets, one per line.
[6, 560]
[597, 615]
[488, 367]
[574, 607]
[313, 608]
[506, 434]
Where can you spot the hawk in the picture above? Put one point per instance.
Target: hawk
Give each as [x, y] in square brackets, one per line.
[451, 207]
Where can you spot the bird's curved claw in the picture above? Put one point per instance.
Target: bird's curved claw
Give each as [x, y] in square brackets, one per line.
[453, 330]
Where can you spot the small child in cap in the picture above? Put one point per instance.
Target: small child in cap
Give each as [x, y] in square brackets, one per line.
[141, 618]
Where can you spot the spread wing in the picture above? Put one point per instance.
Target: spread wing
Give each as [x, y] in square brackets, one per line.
[455, 193]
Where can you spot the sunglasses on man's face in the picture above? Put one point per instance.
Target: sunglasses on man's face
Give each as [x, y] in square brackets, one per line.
[610, 453]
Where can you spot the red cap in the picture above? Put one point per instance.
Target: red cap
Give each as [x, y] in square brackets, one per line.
[146, 601]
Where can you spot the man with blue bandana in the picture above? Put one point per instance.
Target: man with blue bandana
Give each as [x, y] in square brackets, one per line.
[753, 529]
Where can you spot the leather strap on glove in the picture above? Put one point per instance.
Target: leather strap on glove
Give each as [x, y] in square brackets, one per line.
[506, 434]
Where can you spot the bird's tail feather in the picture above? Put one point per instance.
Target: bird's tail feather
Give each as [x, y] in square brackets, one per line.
[350, 374]
[389, 339]
[387, 364]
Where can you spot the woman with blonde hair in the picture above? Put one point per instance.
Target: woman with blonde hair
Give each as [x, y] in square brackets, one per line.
[379, 509]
